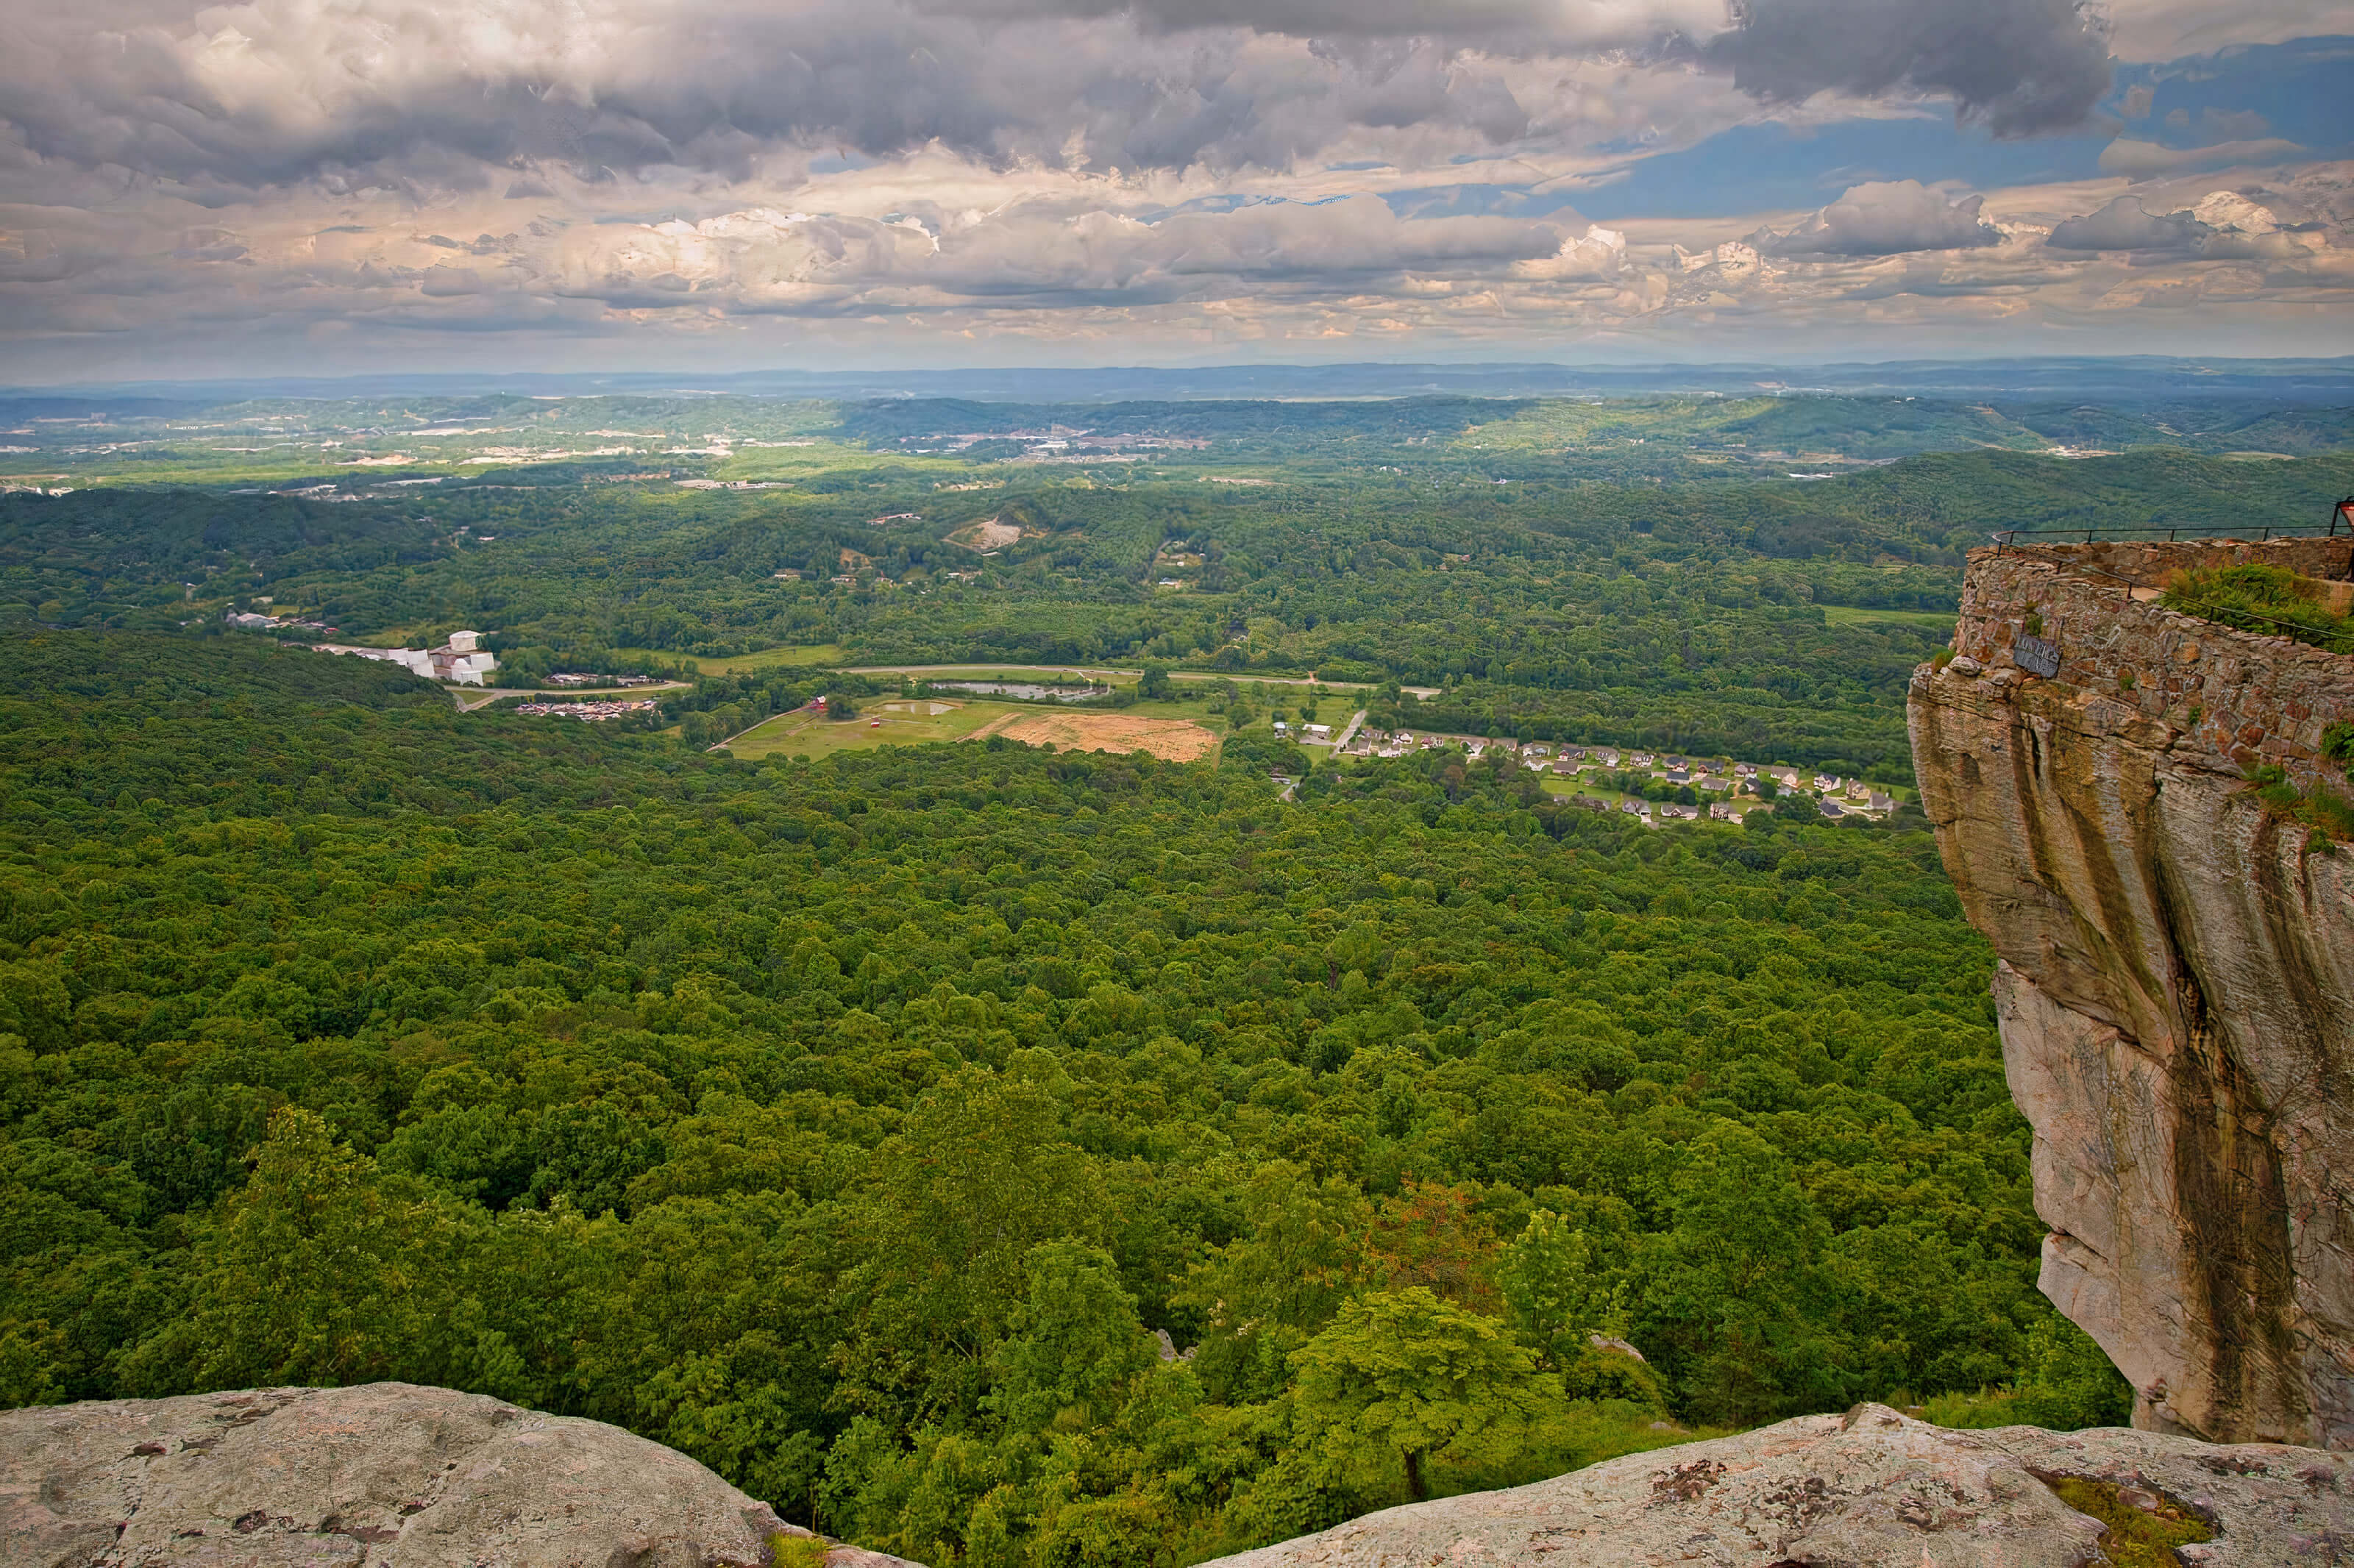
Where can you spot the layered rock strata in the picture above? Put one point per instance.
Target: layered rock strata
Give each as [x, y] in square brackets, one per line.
[2176, 993]
[1858, 1491]
[385, 1476]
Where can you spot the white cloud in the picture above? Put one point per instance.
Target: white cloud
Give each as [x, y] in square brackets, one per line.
[1057, 172]
[1885, 218]
[2124, 225]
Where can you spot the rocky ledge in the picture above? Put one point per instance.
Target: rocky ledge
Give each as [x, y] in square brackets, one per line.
[2176, 994]
[1869, 1489]
[387, 1475]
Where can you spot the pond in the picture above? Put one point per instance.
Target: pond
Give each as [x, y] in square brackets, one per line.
[1029, 690]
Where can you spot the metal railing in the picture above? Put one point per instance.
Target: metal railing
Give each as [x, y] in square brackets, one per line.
[2343, 513]
[2341, 520]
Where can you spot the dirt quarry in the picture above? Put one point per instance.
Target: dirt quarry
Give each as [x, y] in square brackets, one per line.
[1171, 740]
[993, 533]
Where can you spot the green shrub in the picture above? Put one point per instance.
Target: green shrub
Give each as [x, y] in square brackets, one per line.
[2269, 601]
[2068, 1384]
[2337, 744]
[2323, 809]
[1979, 1411]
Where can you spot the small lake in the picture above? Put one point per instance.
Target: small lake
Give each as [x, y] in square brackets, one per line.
[1025, 689]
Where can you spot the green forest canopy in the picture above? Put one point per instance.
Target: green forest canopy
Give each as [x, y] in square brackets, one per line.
[851, 1126]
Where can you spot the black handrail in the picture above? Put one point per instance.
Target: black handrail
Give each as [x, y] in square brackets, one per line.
[2341, 512]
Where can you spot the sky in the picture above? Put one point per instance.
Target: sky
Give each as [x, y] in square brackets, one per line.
[332, 187]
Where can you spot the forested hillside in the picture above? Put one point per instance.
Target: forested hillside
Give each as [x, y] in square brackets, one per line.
[849, 1125]
[1707, 616]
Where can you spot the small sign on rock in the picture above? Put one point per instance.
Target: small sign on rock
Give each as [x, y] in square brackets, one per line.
[2036, 656]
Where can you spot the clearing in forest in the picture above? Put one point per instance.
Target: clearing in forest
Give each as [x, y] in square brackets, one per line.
[990, 533]
[1171, 740]
[897, 721]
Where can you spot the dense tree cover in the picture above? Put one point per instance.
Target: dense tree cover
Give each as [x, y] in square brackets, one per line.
[853, 1125]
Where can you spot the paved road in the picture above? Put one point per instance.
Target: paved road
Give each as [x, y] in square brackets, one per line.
[1349, 734]
[469, 698]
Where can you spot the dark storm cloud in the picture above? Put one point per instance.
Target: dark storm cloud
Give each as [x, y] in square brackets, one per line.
[361, 93]
[2020, 67]
[277, 90]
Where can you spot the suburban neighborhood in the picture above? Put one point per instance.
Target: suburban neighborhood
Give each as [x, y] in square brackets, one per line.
[1700, 789]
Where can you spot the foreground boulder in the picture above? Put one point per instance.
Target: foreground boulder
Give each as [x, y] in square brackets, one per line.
[387, 1475]
[1862, 1490]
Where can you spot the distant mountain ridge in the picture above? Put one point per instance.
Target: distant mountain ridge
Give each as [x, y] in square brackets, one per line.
[2133, 378]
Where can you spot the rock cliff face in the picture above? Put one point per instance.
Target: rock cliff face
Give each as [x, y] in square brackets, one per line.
[2177, 986]
[1862, 1490]
[385, 1476]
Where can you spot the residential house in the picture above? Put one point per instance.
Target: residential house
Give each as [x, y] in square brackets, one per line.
[1827, 782]
[1725, 811]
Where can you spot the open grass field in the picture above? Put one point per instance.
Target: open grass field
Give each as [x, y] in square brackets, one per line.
[916, 721]
[1171, 740]
[1849, 614]
[891, 722]
[823, 656]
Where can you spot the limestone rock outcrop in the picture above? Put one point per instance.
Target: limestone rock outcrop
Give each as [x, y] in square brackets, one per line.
[2176, 992]
[1868, 1488]
[387, 1475]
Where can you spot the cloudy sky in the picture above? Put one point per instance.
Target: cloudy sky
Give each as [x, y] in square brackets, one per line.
[329, 185]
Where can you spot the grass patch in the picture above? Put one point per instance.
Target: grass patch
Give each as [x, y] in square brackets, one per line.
[825, 655]
[797, 1551]
[2133, 1537]
[1852, 615]
[882, 721]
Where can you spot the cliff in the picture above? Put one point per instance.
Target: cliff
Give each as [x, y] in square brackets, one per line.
[1863, 1489]
[2176, 990]
[383, 1476]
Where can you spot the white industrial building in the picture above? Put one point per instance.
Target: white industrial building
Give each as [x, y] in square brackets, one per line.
[463, 660]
